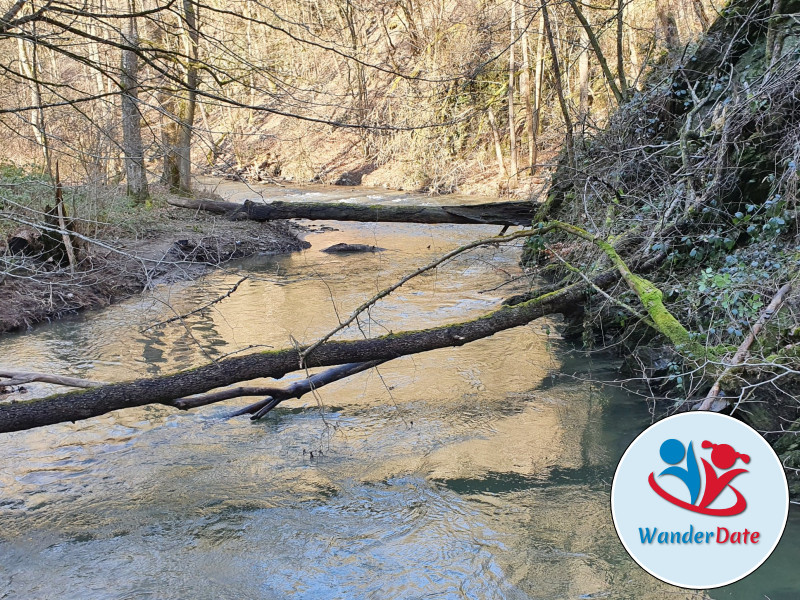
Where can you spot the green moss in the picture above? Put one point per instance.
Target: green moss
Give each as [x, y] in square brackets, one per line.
[652, 299]
[650, 296]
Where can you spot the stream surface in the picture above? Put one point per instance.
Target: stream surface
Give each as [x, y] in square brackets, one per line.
[474, 472]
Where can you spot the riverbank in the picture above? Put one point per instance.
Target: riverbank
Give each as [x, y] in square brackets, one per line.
[152, 245]
[292, 152]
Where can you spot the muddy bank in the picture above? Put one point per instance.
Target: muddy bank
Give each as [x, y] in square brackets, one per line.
[178, 245]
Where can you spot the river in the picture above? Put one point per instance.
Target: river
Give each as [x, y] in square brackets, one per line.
[477, 472]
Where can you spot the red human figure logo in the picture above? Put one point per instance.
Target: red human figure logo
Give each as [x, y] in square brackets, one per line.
[724, 457]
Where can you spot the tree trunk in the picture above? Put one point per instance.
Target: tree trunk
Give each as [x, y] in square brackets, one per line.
[525, 92]
[491, 213]
[135, 172]
[583, 80]
[623, 80]
[568, 141]
[498, 148]
[636, 68]
[700, 11]
[669, 29]
[537, 88]
[187, 116]
[597, 51]
[176, 134]
[29, 67]
[512, 125]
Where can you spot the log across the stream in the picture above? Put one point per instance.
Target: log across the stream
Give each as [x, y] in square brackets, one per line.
[492, 213]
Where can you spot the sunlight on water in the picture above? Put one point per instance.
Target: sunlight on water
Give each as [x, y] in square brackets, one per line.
[477, 472]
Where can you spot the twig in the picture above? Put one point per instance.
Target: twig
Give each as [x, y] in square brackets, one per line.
[197, 310]
[602, 292]
[432, 265]
[741, 353]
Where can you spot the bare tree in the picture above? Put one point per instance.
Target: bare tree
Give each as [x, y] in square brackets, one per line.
[180, 104]
[136, 174]
[569, 141]
[525, 92]
[595, 43]
[512, 67]
[583, 79]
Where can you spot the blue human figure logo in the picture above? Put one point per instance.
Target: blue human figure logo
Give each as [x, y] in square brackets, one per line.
[672, 453]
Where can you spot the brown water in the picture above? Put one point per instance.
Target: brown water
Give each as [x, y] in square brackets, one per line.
[477, 472]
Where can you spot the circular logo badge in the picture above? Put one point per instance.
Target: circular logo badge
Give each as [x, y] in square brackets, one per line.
[699, 500]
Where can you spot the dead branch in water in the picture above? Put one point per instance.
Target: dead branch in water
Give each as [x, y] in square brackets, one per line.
[275, 364]
[8, 377]
[275, 395]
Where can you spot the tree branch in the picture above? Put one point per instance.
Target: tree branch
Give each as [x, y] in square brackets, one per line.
[710, 402]
[275, 395]
[206, 306]
[21, 377]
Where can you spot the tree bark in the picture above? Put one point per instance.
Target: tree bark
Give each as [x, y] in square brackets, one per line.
[22, 377]
[29, 67]
[276, 395]
[537, 89]
[179, 107]
[597, 50]
[558, 80]
[135, 172]
[512, 124]
[583, 80]
[186, 124]
[492, 213]
[700, 11]
[525, 92]
[169, 389]
[498, 148]
[623, 80]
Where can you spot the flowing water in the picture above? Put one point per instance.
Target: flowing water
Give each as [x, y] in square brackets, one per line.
[474, 472]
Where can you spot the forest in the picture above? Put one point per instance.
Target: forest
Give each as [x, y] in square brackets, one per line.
[648, 150]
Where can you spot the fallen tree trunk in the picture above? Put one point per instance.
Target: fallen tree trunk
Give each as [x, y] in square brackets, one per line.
[492, 213]
[21, 415]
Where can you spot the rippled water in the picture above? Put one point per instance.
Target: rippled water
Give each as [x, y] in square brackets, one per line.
[477, 472]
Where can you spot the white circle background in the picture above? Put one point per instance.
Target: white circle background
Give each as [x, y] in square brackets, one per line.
[635, 505]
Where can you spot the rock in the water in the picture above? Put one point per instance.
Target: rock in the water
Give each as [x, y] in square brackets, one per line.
[343, 248]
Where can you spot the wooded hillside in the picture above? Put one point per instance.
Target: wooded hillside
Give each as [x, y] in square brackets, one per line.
[408, 94]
